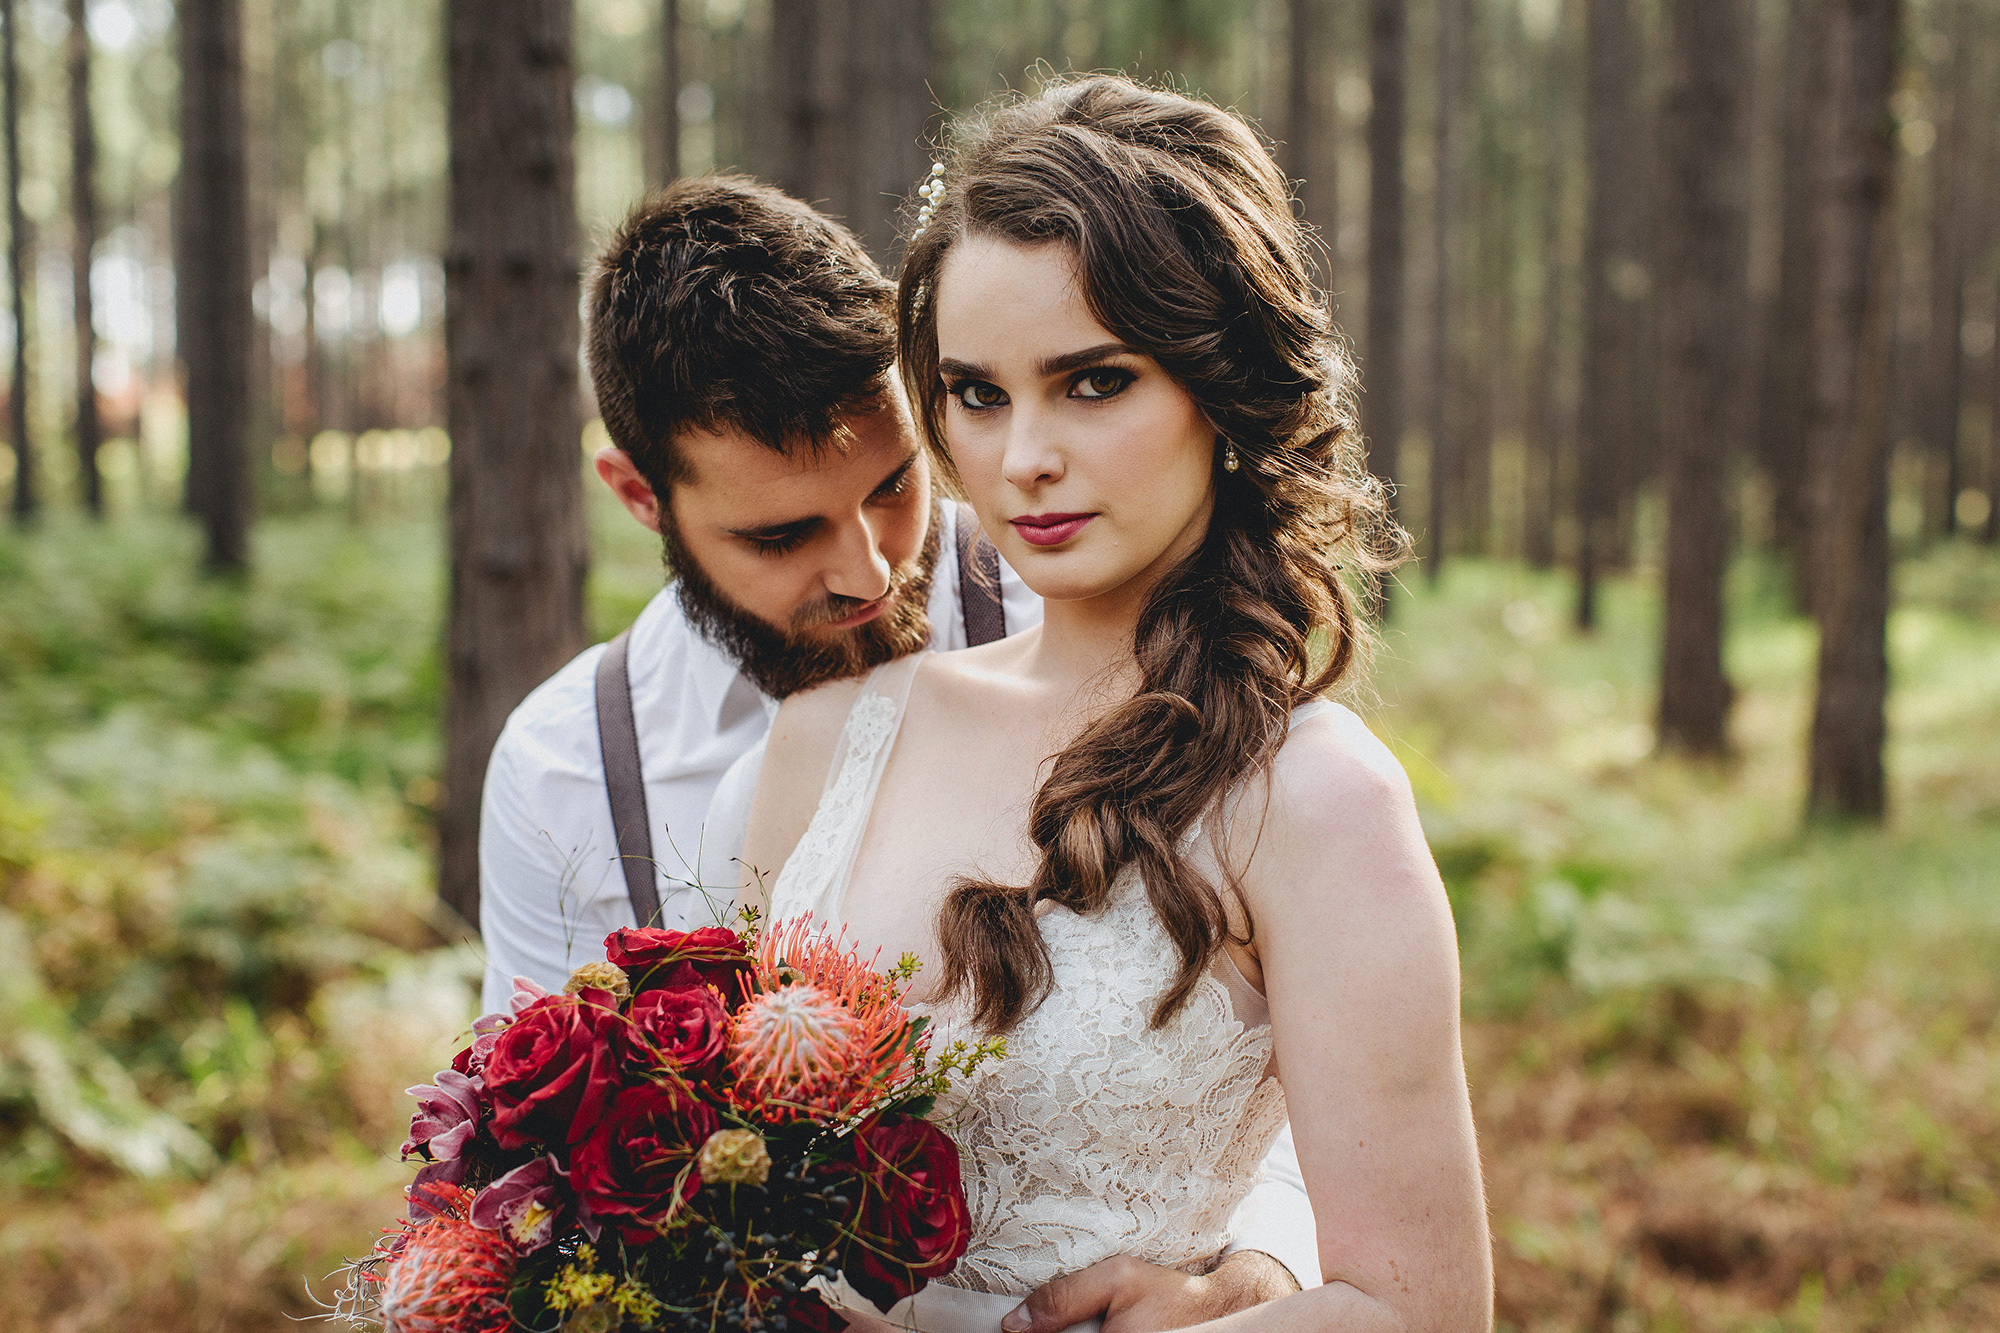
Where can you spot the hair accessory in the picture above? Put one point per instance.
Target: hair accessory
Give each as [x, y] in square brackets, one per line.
[930, 192]
[1229, 460]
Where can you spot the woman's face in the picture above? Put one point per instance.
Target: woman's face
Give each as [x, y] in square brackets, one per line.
[1089, 465]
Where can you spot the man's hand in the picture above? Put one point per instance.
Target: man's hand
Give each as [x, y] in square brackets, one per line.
[1131, 1296]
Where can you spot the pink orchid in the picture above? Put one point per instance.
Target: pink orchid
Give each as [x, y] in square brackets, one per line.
[447, 1117]
[523, 1205]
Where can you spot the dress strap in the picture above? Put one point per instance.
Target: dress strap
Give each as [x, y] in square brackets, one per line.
[814, 879]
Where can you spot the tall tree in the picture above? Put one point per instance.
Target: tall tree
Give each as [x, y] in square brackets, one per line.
[1705, 301]
[518, 547]
[851, 80]
[1444, 460]
[1608, 423]
[1541, 463]
[1848, 438]
[83, 213]
[1311, 149]
[1382, 407]
[1943, 378]
[1784, 392]
[1991, 535]
[27, 500]
[670, 91]
[212, 276]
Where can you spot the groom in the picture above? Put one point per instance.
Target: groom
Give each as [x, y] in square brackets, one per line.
[741, 347]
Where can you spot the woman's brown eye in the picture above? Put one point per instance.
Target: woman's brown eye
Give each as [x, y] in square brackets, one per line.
[980, 396]
[1101, 384]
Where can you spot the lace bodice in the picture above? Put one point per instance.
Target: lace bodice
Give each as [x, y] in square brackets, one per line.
[1096, 1135]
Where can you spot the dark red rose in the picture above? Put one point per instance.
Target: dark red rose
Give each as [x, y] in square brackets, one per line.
[554, 1070]
[651, 957]
[809, 1314]
[638, 1164]
[911, 1220]
[686, 1027]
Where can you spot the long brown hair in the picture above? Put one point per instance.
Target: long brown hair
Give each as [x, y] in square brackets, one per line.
[1184, 234]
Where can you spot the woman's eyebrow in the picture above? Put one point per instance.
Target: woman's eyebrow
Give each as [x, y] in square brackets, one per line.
[963, 370]
[1068, 361]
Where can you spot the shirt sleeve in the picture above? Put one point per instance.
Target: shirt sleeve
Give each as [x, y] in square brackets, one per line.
[1277, 1218]
[545, 855]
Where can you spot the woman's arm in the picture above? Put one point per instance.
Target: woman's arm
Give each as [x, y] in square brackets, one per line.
[1360, 965]
[797, 755]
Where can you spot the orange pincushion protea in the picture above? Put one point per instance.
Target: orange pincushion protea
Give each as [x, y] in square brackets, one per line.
[447, 1275]
[826, 1036]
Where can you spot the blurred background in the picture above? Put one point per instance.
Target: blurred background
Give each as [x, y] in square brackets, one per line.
[1675, 321]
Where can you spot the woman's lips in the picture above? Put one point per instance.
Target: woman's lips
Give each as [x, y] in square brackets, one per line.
[1050, 529]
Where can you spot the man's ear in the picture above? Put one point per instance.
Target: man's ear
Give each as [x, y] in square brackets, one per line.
[617, 470]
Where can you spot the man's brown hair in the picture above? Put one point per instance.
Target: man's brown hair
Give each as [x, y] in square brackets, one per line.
[723, 303]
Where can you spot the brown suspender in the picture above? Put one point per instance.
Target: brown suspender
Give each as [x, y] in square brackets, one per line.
[978, 582]
[618, 739]
[618, 734]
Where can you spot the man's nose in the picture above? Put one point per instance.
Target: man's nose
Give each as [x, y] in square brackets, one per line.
[858, 568]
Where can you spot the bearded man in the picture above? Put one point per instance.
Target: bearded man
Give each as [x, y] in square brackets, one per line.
[741, 347]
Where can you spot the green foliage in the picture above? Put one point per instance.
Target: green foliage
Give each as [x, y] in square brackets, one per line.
[211, 843]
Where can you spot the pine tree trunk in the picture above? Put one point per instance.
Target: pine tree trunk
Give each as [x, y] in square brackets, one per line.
[1848, 444]
[1784, 394]
[83, 210]
[1608, 424]
[1991, 535]
[1545, 433]
[1705, 301]
[1943, 380]
[1311, 150]
[1444, 460]
[667, 164]
[518, 547]
[27, 498]
[1383, 375]
[212, 276]
[852, 83]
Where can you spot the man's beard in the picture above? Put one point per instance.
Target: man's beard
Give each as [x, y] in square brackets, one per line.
[781, 662]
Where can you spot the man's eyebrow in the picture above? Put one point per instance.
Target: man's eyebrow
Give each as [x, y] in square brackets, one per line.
[799, 526]
[787, 528]
[896, 473]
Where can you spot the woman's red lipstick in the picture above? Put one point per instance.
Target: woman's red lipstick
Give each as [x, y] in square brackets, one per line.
[1049, 529]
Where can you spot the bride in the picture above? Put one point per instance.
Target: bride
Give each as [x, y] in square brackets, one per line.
[1190, 892]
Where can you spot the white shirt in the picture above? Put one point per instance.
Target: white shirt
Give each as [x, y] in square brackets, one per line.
[550, 883]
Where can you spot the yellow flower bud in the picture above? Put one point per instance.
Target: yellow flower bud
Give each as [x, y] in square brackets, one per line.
[734, 1157]
[600, 976]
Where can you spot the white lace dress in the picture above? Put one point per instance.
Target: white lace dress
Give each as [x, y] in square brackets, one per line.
[1096, 1135]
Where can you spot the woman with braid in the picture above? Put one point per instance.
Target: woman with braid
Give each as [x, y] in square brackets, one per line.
[1138, 842]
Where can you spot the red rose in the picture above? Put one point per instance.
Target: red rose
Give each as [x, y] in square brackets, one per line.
[655, 958]
[638, 1164]
[553, 1070]
[686, 1027]
[911, 1222]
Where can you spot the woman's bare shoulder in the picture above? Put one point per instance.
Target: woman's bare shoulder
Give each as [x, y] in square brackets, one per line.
[1340, 822]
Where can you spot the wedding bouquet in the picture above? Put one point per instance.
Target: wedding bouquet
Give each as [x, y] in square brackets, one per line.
[703, 1131]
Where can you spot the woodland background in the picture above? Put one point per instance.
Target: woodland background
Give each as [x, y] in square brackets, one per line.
[1676, 325]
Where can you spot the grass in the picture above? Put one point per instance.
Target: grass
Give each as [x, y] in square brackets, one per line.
[1730, 1072]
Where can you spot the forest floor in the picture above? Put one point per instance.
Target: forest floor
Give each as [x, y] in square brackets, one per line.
[1730, 1072]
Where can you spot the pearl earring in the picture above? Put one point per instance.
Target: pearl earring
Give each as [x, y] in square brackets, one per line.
[1229, 460]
